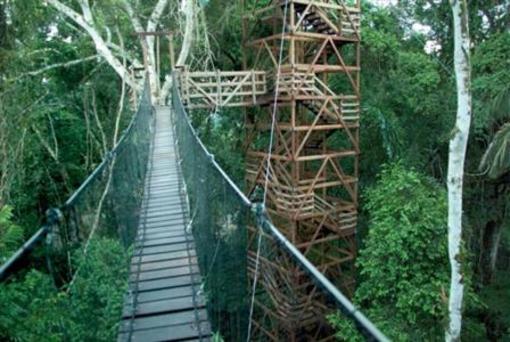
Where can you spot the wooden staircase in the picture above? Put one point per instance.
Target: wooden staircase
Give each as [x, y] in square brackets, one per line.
[318, 18]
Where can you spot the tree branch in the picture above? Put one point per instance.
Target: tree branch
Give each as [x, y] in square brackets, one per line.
[98, 123]
[122, 95]
[122, 53]
[55, 66]
[85, 21]
[456, 164]
[87, 13]
[45, 144]
[135, 21]
[156, 15]
[53, 135]
[187, 7]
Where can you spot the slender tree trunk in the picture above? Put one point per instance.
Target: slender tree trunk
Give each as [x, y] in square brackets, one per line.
[188, 8]
[152, 25]
[457, 155]
[105, 48]
[489, 246]
[85, 21]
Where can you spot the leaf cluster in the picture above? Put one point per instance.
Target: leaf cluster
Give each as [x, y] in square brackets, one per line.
[90, 310]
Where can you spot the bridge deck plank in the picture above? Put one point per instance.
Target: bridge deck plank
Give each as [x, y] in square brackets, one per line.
[164, 301]
[181, 332]
[164, 257]
[151, 266]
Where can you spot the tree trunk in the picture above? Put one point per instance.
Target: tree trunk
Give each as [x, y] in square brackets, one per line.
[489, 246]
[457, 155]
[152, 26]
[188, 9]
[85, 21]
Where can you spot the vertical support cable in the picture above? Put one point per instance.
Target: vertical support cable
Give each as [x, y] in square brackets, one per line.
[275, 102]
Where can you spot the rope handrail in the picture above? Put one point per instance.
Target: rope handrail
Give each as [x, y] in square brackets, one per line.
[54, 215]
[364, 325]
[177, 102]
[108, 157]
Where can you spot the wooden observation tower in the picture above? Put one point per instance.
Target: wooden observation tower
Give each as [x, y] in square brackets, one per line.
[302, 83]
[310, 51]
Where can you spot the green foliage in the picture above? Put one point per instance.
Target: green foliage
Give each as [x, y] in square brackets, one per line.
[491, 76]
[90, 311]
[404, 263]
[496, 160]
[32, 308]
[409, 272]
[404, 268]
[492, 103]
[408, 109]
[380, 31]
[224, 19]
[223, 133]
[97, 294]
[217, 337]
[496, 298]
[11, 236]
[407, 113]
[382, 140]
[418, 81]
[43, 105]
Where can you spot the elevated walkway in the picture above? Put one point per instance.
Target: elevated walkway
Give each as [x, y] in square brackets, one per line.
[163, 301]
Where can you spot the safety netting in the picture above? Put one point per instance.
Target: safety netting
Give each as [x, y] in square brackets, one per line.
[219, 218]
[257, 285]
[87, 246]
[107, 204]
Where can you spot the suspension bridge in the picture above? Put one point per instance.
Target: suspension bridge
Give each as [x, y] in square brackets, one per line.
[168, 298]
[209, 260]
[163, 299]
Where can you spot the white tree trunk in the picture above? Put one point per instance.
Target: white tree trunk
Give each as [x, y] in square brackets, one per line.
[85, 20]
[188, 8]
[147, 44]
[86, 23]
[457, 155]
[152, 25]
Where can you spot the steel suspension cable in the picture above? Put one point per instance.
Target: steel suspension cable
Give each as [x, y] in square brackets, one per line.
[268, 165]
[362, 323]
[275, 103]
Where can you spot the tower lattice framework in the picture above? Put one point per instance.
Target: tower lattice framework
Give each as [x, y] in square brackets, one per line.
[312, 174]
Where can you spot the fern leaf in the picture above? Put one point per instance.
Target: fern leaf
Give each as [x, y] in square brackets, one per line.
[496, 159]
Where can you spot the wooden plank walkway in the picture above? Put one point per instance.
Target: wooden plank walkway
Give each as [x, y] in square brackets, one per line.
[163, 302]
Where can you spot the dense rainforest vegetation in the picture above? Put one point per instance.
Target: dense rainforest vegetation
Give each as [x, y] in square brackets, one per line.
[59, 101]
